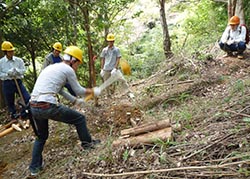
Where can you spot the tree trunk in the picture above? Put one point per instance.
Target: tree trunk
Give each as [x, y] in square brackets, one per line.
[92, 79]
[231, 8]
[2, 102]
[166, 38]
[240, 11]
[236, 7]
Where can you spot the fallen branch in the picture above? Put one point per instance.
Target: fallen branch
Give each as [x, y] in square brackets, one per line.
[208, 146]
[173, 83]
[167, 170]
[241, 114]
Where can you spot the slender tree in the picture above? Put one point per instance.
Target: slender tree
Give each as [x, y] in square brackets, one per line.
[166, 39]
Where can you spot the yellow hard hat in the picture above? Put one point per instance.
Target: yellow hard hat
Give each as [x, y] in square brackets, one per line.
[110, 37]
[234, 20]
[57, 46]
[125, 67]
[74, 51]
[7, 46]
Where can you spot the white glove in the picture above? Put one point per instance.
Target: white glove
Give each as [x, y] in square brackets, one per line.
[229, 42]
[102, 73]
[97, 91]
[79, 103]
[113, 72]
[12, 72]
[15, 72]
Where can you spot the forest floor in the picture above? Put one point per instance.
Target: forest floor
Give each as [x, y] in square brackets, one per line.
[210, 99]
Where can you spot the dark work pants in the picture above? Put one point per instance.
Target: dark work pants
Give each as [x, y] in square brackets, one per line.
[239, 47]
[57, 113]
[9, 91]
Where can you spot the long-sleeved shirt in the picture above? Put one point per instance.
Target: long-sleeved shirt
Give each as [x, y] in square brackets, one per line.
[51, 82]
[236, 36]
[51, 59]
[6, 65]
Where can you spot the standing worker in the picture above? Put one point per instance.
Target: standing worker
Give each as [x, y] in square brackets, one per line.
[55, 57]
[12, 70]
[110, 58]
[233, 38]
[44, 104]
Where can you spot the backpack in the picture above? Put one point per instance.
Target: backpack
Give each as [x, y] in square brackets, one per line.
[247, 33]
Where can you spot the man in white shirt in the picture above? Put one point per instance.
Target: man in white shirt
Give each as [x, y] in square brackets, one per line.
[110, 58]
[12, 70]
[233, 38]
[44, 104]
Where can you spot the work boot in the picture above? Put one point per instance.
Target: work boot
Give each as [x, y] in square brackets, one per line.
[90, 145]
[34, 173]
[228, 54]
[240, 56]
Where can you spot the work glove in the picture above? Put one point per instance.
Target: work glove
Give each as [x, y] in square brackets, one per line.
[97, 91]
[12, 72]
[113, 72]
[102, 73]
[79, 103]
[230, 42]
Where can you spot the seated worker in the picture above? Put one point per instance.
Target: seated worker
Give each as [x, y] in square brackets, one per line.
[12, 70]
[233, 38]
[55, 57]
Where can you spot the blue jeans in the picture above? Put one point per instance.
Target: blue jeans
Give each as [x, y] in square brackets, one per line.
[239, 47]
[58, 113]
[9, 91]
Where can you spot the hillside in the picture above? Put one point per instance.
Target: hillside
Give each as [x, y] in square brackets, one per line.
[209, 99]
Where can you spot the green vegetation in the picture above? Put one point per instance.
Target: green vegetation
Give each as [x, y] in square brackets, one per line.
[211, 113]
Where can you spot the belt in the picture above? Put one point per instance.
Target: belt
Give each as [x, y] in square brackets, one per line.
[42, 105]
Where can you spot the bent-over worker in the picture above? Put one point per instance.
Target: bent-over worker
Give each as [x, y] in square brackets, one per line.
[44, 105]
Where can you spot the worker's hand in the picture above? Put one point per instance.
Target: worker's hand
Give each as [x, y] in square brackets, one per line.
[12, 72]
[113, 72]
[102, 73]
[79, 103]
[97, 91]
[230, 42]
[15, 72]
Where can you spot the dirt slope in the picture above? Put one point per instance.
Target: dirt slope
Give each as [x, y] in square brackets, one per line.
[210, 99]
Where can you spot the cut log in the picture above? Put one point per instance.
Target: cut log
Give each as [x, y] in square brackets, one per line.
[146, 128]
[8, 130]
[148, 138]
[8, 125]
